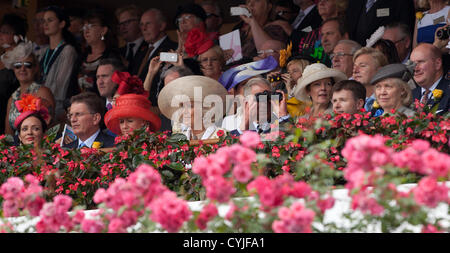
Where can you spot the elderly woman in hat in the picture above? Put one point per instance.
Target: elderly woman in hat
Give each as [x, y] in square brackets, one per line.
[26, 68]
[315, 87]
[199, 101]
[129, 113]
[392, 92]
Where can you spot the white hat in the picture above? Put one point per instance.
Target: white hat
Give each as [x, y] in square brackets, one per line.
[169, 98]
[313, 73]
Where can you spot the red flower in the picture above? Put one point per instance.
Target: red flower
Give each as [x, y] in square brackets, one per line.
[220, 133]
[197, 42]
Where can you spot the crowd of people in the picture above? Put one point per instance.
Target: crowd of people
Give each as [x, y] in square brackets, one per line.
[300, 58]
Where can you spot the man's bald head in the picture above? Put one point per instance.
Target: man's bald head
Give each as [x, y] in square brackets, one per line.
[428, 60]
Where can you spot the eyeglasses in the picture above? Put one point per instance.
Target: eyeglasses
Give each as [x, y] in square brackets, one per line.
[18, 65]
[185, 18]
[206, 60]
[395, 42]
[77, 114]
[6, 32]
[208, 15]
[127, 22]
[340, 54]
[89, 26]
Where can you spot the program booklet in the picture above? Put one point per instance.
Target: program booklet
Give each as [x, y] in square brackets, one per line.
[68, 131]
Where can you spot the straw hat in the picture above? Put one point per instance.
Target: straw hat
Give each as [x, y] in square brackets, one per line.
[131, 106]
[313, 73]
[172, 96]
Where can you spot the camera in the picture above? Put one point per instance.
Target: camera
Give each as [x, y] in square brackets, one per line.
[269, 95]
[443, 34]
[276, 78]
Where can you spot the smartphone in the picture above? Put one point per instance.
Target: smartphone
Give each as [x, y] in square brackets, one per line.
[169, 57]
[239, 11]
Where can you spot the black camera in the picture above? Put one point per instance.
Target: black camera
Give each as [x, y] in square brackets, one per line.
[268, 95]
[443, 34]
[276, 78]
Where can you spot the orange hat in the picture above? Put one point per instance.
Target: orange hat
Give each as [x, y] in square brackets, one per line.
[131, 106]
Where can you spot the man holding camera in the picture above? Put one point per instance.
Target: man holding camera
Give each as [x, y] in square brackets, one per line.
[262, 108]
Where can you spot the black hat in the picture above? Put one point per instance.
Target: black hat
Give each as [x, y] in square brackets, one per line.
[397, 70]
[194, 9]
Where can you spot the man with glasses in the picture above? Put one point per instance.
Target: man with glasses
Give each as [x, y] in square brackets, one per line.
[85, 116]
[128, 27]
[342, 56]
[214, 18]
[401, 36]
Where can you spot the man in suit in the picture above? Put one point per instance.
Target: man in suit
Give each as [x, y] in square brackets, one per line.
[400, 34]
[429, 75]
[364, 17]
[129, 18]
[308, 16]
[153, 26]
[85, 115]
[106, 87]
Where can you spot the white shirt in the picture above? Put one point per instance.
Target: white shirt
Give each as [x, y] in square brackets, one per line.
[155, 46]
[89, 140]
[137, 44]
[431, 89]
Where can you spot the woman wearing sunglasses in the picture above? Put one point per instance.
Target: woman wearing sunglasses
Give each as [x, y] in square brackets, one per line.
[24, 64]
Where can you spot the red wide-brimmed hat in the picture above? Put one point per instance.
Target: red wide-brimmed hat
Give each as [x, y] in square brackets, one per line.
[131, 106]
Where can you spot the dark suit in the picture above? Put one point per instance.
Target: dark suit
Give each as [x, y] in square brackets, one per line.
[313, 19]
[361, 25]
[444, 101]
[106, 140]
[123, 52]
[165, 46]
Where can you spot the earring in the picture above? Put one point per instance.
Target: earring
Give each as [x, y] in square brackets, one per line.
[103, 37]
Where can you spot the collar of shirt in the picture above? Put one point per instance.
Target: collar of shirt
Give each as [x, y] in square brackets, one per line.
[406, 58]
[432, 88]
[156, 44]
[108, 102]
[137, 44]
[89, 140]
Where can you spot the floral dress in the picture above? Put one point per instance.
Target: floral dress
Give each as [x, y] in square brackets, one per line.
[14, 112]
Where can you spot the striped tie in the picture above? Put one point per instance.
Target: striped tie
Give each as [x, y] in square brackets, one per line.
[369, 4]
[82, 145]
[424, 99]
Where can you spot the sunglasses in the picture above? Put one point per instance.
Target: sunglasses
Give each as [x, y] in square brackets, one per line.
[18, 65]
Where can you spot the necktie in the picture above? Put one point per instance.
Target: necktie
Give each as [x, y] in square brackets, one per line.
[424, 99]
[82, 145]
[130, 53]
[369, 4]
[109, 106]
[298, 19]
[145, 60]
[369, 104]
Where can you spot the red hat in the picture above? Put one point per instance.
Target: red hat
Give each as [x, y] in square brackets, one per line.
[197, 42]
[128, 83]
[131, 106]
[28, 105]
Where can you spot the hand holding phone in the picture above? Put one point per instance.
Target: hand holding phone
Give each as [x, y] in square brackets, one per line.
[240, 11]
[168, 57]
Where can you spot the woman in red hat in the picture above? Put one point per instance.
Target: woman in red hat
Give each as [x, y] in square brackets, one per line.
[131, 112]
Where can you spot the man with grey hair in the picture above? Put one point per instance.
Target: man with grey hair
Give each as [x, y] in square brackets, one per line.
[401, 36]
[153, 26]
[261, 108]
[342, 56]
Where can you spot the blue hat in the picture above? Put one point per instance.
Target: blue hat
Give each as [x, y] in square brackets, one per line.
[233, 76]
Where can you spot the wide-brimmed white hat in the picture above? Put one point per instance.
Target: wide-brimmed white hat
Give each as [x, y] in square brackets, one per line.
[196, 89]
[313, 73]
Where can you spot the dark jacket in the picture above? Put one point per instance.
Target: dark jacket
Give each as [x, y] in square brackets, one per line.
[106, 140]
[123, 53]
[444, 101]
[361, 25]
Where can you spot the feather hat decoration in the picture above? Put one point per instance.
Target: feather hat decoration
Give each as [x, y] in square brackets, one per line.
[375, 36]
